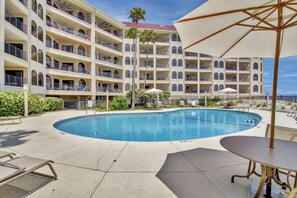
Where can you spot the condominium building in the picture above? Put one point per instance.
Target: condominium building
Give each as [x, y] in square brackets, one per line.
[72, 50]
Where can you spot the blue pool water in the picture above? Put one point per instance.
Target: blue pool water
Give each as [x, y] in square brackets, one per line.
[150, 127]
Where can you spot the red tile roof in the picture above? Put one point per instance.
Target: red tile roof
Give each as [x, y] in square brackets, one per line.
[151, 26]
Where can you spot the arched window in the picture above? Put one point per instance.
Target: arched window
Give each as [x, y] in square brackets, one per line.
[40, 56]
[127, 61]
[221, 87]
[216, 88]
[174, 87]
[216, 64]
[221, 64]
[180, 62]
[116, 74]
[81, 33]
[127, 74]
[133, 48]
[180, 75]
[180, 50]
[48, 62]
[81, 50]
[33, 53]
[33, 28]
[127, 47]
[132, 61]
[40, 79]
[174, 75]
[115, 60]
[48, 41]
[33, 77]
[256, 66]
[81, 16]
[81, 68]
[178, 38]
[40, 34]
[221, 76]
[180, 87]
[40, 11]
[127, 87]
[48, 82]
[255, 77]
[48, 21]
[216, 76]
[255, 88]
[174, 62]
[34, 6]
[173, 37]
[173, 51]
[81, 83]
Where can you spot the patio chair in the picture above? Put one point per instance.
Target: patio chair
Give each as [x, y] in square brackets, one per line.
[193, 103]
[182, 103]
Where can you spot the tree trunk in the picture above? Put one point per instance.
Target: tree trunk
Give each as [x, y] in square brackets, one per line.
[146, 64]
[134, 68]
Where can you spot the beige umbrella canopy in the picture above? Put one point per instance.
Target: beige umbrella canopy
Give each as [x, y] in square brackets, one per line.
[228, 91]
[241, 28]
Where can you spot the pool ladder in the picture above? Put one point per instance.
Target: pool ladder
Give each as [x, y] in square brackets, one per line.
[243, 108]
[94, 112]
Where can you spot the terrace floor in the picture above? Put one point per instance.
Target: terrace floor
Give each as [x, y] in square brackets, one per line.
[89, 167]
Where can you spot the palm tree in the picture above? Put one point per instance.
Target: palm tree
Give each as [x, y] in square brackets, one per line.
[136, 14]
[147, 36]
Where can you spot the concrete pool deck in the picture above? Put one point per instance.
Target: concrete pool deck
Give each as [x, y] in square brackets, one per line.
[88, 167]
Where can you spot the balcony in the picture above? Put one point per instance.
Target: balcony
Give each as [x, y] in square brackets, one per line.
[244, 68]
[190, 78]
[73, 51]
[110, 90]
[15, 22]
[244, 91]
[67, 10]
[189, 66]
[108, 75]
[191, 54]
[232, 68]
[68, 87]
[109, 62]
[205, 79]
[69, 69]
[231, 80]
[69, 30]
[150, 52]
[109, 45]
[205, 67]
[162, 53]
[14, 51]
[244, 80]
[161, 66]
[191, 91]
[162, 78]
[205, 56]
[205, 91]
[15, 81]
[147, 78]
[162, 40]
[108, 30]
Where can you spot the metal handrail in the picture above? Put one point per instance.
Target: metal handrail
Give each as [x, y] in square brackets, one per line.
[14, 51]
[69, 30]
[109, 45]
[74, 51]
[15, 22]
[109, 75]
[108, 30]
[15, 81]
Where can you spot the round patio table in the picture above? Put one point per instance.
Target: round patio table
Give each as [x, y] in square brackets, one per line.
[256, 149]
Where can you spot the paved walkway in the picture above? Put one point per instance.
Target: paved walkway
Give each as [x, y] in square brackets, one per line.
[89, 167]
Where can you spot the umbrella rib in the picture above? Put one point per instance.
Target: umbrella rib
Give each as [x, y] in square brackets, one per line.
[234, 24]
[288, 22]
[259, 27]
[246, 33]
[262, 20]
[290, 25]
[226, 12]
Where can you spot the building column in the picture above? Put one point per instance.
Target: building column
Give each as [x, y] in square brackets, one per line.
[2, 41]
[93, 64]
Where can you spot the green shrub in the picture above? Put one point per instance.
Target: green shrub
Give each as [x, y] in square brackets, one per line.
[103, 106]
[36, 104]
[53, 104]
[119, 103]
[11, 104]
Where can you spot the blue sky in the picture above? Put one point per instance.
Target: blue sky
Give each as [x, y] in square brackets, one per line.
[166, 11]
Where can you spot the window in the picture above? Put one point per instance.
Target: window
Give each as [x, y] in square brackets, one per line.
[173, 51]
[127, 61]
[174, 87]
[40, 79]
[180, 51]
[56, 64]
[216, 88]
[127, 47]
[33, 53]
[40, 56]
[48, 62]
[178, 38]
[81, 16]
[40, 34]
[216, 64]
[34, 77]
[221, 87]
[180, 62]
[255, 77]
[34, 6]
[81, 33]
[221, 64]
[127, 74]
[48, 21]
[216, 76]
[180, 87]
[173, 37]
[56, 45]
[40, 11]
[174, 75]
[48, 41]
[127, 87]
[48, 82]
[81, 84]
[180, 75]
[132, 61]
[81, 50]
[256, 66]
[33, 28]
[255, 88]
[221, 76]
[81, 68]
[174, 62]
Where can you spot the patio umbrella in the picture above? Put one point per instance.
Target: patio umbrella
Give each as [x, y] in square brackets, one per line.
[228, 91]
[154, 90]
[241, 28]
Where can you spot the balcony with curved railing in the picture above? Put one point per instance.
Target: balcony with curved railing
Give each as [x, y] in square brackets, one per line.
[69, 30]
[15, 81]
[107, 61]
[110, 90]
[68, 87]
[77, 51]
[191, 78]
[14, 51]
[109, 30]
[15, 22]
[68, 69]
[147, 78]
[162, 40]
[191, 54]
[108, 75]
[109, 45]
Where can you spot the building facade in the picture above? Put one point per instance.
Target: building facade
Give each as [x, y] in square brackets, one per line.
[72, 50]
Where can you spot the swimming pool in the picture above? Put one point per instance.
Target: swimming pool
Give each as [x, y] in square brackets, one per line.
[182, 124]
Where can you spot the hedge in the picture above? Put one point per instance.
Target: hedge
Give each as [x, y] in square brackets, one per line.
[12, 104]
[119, 103]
